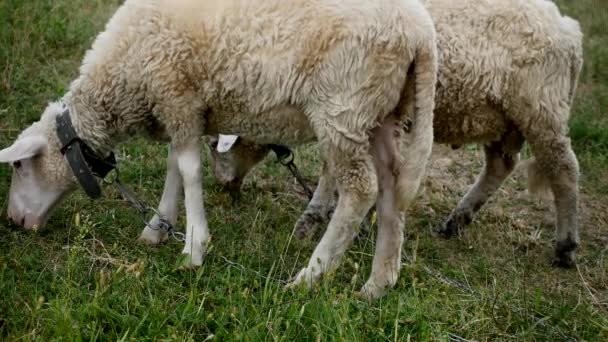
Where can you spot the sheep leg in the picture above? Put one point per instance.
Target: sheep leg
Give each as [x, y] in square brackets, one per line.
[357, 187]
[387, 257]
[197, 231]
[499, 163]
[168, 202]
[318, 210]
[557, 166]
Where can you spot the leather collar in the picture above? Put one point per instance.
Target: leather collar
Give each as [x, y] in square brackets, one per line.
[84, 162]
[281, 151]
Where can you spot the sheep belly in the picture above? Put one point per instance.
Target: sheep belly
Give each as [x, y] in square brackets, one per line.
[281, 125]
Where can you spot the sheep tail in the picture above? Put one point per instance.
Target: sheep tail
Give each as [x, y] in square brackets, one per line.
[538, 184]
[425, 78]
[417, 150]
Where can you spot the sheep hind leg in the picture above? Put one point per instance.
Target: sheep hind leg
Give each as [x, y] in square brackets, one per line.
[318, 211]
[167, 207]
[500, 160]
[357, 187]
[556, 168]
[387, 257]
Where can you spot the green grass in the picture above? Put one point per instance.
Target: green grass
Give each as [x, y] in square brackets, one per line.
[86, 278]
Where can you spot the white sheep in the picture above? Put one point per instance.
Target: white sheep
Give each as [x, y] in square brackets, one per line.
[177, 70]
[508, 72]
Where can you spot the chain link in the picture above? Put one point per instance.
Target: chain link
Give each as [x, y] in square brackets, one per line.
[465, 288]
[286, 160]
[238, 266]
[163, 225]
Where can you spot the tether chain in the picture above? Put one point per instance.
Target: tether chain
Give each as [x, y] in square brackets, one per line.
[285, 157]
[163, 225]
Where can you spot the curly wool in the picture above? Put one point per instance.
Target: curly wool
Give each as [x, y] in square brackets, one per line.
[177, 70]
[503, 66]
[508, 72]
[181, 69]
[516, 63]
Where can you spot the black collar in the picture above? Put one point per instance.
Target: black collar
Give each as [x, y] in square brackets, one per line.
[84, 162]
[281, 151]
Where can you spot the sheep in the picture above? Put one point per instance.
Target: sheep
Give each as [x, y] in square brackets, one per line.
[175, 71]
[508, 73]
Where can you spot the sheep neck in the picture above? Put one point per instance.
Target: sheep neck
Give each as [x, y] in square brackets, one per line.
[91, 127]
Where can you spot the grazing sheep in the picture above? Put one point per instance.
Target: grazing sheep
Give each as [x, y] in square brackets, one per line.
[177, 70]
[508, 72]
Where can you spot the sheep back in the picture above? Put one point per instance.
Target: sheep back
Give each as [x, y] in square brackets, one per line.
[502, 62]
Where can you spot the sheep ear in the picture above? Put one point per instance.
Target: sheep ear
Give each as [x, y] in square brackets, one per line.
[226, 142]
[23, 148]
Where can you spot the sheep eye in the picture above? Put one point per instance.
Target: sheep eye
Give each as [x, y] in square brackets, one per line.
[17, 164]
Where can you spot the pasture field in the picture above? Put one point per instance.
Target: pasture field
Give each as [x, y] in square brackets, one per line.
[87, 278]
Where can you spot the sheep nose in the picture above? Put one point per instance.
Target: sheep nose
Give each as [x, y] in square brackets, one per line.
[16, 219]
[27, 220]
[10, 215]
[31, 222]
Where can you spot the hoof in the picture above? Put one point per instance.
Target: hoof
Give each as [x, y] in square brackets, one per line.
[565, 257]
[447, 230]
[308, 225]
[370, 291]
[453, 225]
[152, 237]
[304, 278]
[564, 261]
[188, 262]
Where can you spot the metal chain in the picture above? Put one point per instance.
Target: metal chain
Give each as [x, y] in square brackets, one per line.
[286, 160]
[455, 338]
[163, 225]
[452, 282]
[238, 266]
[451, 337]
[463, 287]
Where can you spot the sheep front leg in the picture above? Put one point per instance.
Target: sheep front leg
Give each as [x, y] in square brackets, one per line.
[357, 187]
[197, 231]
[318, 209]
[168, 202]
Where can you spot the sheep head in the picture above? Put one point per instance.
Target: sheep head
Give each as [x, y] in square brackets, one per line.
[41, 177]
[233, 157]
